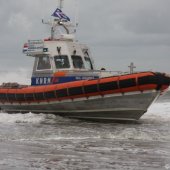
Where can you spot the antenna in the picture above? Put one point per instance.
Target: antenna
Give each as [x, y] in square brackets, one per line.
[61, 4]
[76, 15]
[132, 66]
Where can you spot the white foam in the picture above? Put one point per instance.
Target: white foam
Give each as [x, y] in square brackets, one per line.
[159, 112]
[21, 118]
[71, 138]
[153, 126]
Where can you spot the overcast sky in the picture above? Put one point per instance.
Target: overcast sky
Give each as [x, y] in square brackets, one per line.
[118, 31]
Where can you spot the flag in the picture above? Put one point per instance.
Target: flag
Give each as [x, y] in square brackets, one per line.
[59, 14]
[25, 48]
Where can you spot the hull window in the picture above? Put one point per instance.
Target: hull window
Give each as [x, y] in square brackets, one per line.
[62, 93]
[39, 96]
[29, 96]
[44, 63]
[127, 83]
[77, 62]
[108, 86]
[11, 97]
[75, 91]
[3, 96]
[50, 95]
[61, 61]
[20, 97]
[91, 88]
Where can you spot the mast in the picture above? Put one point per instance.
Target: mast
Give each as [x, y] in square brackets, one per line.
[54, 24]
[76, 16]
[61, 4]
[59, 22]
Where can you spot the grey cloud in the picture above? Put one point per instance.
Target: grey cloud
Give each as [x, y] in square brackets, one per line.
[148, 22]
[130, 23]
[120, 30]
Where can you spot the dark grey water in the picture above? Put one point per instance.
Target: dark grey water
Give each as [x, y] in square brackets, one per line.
[40, 142]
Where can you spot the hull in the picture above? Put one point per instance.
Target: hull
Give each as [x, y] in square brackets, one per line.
[125, 97]
[130, 106]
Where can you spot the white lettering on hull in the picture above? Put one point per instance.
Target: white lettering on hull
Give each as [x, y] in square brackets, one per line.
[43, 80]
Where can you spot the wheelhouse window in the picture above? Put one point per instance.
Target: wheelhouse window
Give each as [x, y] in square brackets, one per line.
[88, 63]
[77, 62]
[44, 63]
[61, 61]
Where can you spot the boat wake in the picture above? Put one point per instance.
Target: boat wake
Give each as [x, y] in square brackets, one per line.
[54, 138]
[21, 118]
[153, 126]
[158, 113]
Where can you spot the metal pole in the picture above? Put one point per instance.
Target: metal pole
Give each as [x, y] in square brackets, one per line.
[76, 15]
[61, 4]
[52, 33]
[132, 66]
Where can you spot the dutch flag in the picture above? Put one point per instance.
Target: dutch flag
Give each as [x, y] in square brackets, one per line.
[25, 48]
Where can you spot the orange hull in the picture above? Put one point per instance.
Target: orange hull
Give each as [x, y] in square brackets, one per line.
[86, 88]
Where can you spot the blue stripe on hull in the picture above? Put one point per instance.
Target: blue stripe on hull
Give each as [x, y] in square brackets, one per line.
[39, 81]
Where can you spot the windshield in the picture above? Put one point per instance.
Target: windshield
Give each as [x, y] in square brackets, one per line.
[77, 62]
[61, 61]
[44, 63]
[88, 63]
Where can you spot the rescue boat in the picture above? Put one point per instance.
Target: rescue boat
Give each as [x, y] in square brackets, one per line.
[65, 82]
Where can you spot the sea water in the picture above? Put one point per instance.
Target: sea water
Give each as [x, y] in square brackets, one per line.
[39, 142]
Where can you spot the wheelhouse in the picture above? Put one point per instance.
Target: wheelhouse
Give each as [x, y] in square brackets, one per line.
[68, 57]
[63, 56]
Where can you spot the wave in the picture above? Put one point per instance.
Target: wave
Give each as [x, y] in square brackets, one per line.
[153, 126]
[21, 118]
[160, 112]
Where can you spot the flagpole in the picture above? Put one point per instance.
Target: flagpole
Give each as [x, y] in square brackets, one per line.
[61, 4]
[76, 16]
[60, 21]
